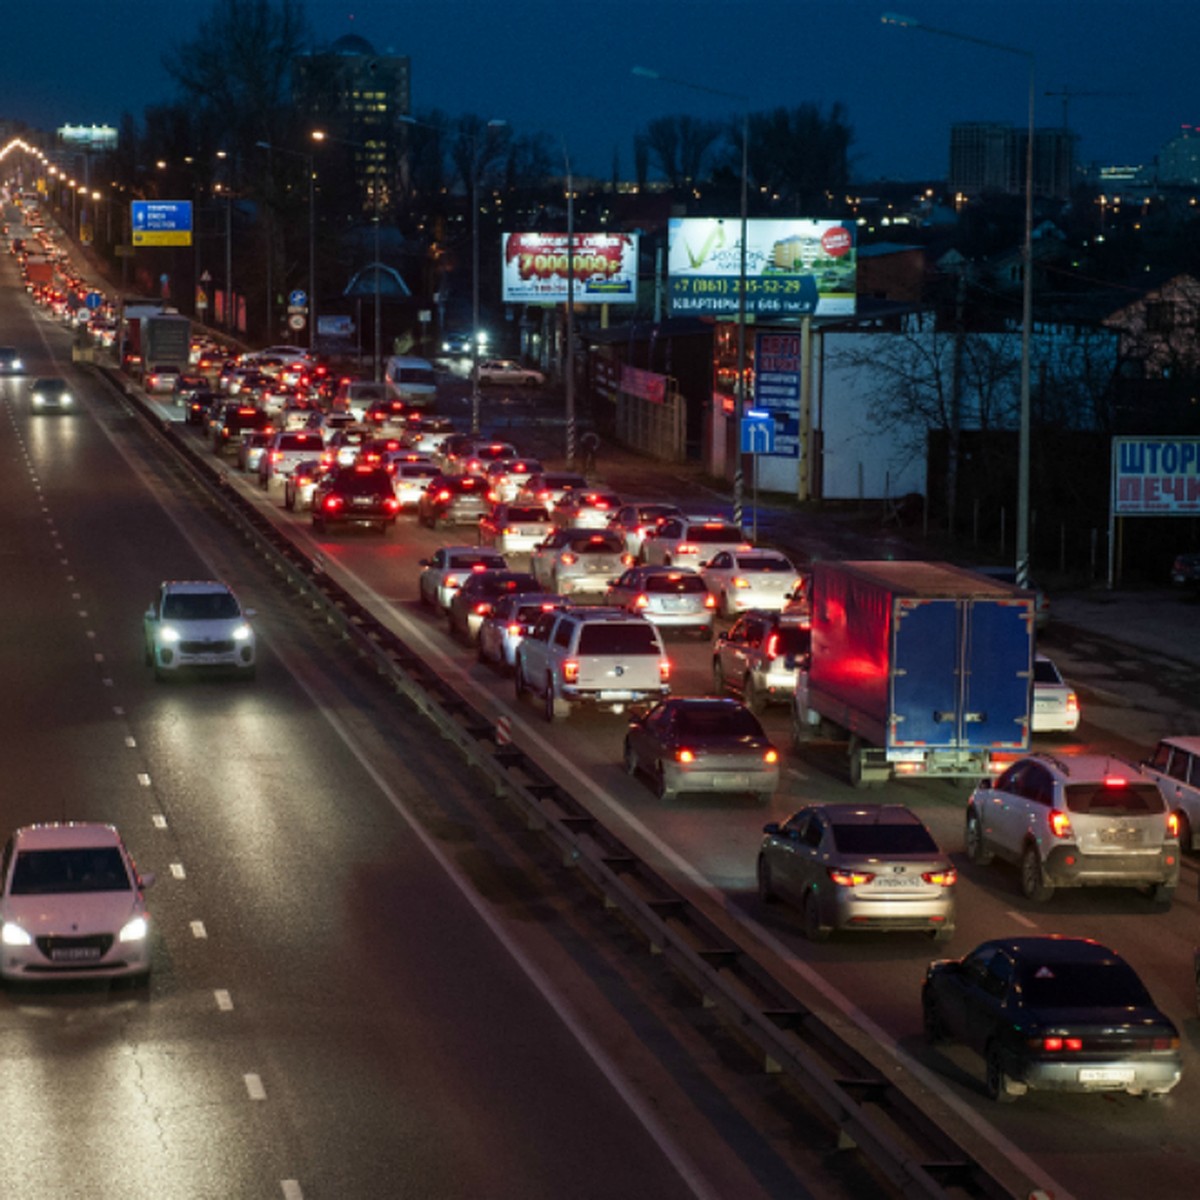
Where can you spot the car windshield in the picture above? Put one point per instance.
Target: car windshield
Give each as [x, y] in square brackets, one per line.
[1044, 671]
[529, 514]
[200, 606]
[675, 585]
[630, 637]
[1081, 985]
[1115, 797]
[717, 721]
[714, 533]
[470, 561]
[365, 483]
[85, 869]
[883, 839]
[767, 565]
[605, 544]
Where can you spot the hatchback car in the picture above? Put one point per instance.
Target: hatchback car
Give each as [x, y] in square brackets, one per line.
[479, 593]
[72, 905]
[506, 477]
[510, 619]
[358, 495]
[846, 867]
[548, 487]
[515, 528]
[51, 394]
[745, 579]
[702, 744]
[578, 561]
[760, 657]
[1053, 1014]
[1091, 820]
[443, 573]
[509, 371]
[453, 500]
[586, 508]
[634, 521]
[198, 625]
[669, 597]
[410, 479]
[1055, 704]
[301, 485]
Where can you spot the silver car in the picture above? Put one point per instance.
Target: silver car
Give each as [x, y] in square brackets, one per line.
[850, 866]
[586, 509]
[690, 541]
[577, 561]
[515, 528]
[511, 618]
[669, 597]
[745, 579]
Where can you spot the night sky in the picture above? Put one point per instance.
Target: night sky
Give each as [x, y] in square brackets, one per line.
[564, 67]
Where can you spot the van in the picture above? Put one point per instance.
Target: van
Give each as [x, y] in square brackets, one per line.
[357, 395]
[1175, 767]
[411, 380]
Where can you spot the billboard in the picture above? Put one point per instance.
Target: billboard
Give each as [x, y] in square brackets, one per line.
[777, 363]
[161, 222]
[534, 268]
[1155, 477]
[793, 267]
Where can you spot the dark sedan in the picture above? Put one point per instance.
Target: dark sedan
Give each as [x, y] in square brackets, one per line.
[453, 500]
[1053, 1014]
[479, 593]
[358, 495]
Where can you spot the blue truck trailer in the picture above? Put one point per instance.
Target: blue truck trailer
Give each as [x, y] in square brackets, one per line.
[923, 668]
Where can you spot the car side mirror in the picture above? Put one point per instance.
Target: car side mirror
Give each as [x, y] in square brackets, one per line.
[423, 562]
[151, 615]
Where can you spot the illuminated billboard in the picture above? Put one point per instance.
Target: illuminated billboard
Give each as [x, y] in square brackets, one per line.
[535, 268]
[793, 267]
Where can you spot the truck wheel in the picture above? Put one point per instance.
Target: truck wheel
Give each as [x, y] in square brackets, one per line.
[856, 764]
[977, 850]
[1033, 883]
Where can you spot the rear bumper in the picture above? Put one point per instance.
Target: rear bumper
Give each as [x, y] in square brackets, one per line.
[1123, 1075]
[1067, 866]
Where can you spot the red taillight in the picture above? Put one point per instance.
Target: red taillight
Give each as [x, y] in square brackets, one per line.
[1060, 823]
[277, 456]
[482, 608]
[642, 601]
[1173, 824]
[684, 756]
[570, 670]
[514, 630]
[452, 581]
[710, 601]
[849, 878]
[687, 548]
[739, 582]
[443, 495]
[332, 503]
[664, 669]
[771, 756]
[773, 645]
[947, 878]
[568, 559]
[1056, 1045]
[1072, 702]
[392, 504]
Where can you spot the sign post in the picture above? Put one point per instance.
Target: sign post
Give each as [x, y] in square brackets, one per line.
[758, 437]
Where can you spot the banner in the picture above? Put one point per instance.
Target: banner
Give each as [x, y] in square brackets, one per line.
[1155, 477]
[535, 267]
[777, 388]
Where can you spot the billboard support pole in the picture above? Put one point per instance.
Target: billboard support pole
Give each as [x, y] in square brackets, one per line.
[804, 462]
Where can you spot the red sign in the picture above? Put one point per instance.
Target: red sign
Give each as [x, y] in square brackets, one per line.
[836, 242]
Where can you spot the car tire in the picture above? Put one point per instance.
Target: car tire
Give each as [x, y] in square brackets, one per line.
[289, 501]
[661, 789]
[520, 687]
[813, 929]
[549, 707]
[318, 525]
[997, 1082]
[752, 698]
[1161, 895]
[1033, 882]
[720, 685]
[931, 1020]
[1185, 832]
[977, 850]
[943, 933]
[766, 892]
[629, 758]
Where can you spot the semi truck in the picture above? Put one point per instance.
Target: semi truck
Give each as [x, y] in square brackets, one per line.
[922, 668]
[153, 335]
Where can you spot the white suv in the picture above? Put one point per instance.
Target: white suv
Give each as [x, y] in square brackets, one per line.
[592, 655]
[1090, 820]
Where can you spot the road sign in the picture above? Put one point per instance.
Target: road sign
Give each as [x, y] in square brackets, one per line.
[758, 435]
[297, 321]
[93, 300]
[161, 222]
[297, 299]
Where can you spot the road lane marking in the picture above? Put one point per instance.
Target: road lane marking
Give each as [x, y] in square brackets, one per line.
[143, 779]
[254, 1087]
[1021, 919]
[224, 1000]
[291, 1189]
[158, 821]
[177, 871]
[131, 742]
[198, 930]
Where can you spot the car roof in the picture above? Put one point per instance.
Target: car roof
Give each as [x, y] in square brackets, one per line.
[61, 835]
[1188, 743]
[1054, 948]
[868, 814]
[195, 586]
[1080, 768]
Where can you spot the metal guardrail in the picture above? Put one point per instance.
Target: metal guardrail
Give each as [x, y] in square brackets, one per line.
[869, 1111]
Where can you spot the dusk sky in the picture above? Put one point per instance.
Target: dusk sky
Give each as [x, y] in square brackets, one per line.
[565, 67]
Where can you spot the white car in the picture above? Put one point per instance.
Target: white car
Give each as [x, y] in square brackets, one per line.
[691, 541]
[198, 624]
[585, 509]
[445, 571]
[743, 579]
[410, 479]
[1055, 705]
[509, 371]
[162, 378]
[71, 905]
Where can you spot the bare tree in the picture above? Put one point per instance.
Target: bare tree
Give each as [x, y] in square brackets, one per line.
[681, 146]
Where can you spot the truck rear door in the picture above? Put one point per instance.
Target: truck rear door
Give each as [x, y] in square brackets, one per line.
[925, 685]
[998, 657]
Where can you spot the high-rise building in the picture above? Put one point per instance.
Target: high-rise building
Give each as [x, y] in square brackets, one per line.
[356, 95]
[990, 157]
[1179, 159]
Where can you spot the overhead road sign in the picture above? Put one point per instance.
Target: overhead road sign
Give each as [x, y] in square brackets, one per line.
[161, 222]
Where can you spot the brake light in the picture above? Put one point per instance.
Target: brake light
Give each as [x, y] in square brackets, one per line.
[332, 503]
[687, 548]
[739, 582]
[684, 756]
[482, 608]
[773, 646]
[452, 581]
[1173, 824]
[745, 546]
[391, 504]
[710, 601]
[514, 630]
[771, 756]
[570, 670]
[642, 601]
[277, 456]
[1056, 1045]
[1072, 702]
[1060, 823]
[947, 878]
[849, 878]
[568, 559]
[664, 669]
[443, 494]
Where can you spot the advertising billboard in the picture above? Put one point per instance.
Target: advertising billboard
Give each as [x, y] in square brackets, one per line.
[793, 267]
[1155, 476]
[534, 268]
[777, 388]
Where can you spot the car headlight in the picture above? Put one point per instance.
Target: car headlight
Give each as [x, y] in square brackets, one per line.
[168, 633]
[242, 633]
[38, 398]
[14, 935]
[135, 930]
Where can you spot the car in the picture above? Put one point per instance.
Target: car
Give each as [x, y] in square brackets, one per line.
[346, 443]
[585, 508]
[300, 485]
[601, 657]
[634, 521]
[760, 657]
[745, 579]
[702, 744]
[453, 500]
[669, 597]
[1091, 820]
[1185, 570]
[856, 867]
[357, 495]
[386, 415]
[548, 487]
[472, 456]
[691, 541]
[1055, 704]
[1006, 574]
[297, 414]
[233, 422]
[506, 476]
[410, 479]
[72, 905]
[187, 386]
[426, 431]
[1054, 1014]
[197, 407]
[479, 592]
[10, 361]
[198, 625]
[355, 396]
[285, 449]
[1175, 767]
[509, 372]
[459, 344]
[510, 619]
[578, 561]
[51, 394]
[251, 448]
[515, 528]
[444, 571]
[162, 377]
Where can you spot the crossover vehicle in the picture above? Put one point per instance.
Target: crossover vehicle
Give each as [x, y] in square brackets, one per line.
[574, 562]
[445, 570]
[761, 656]
[745, 579]
[357, 495]
[510, 619]
[479, 593]
[198, 625]
[453, 500]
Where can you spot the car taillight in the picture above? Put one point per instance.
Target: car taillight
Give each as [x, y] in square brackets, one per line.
[570, 670]
[443, 495]
[771, 756]
[332, 503]
[849, 878]
[493, 497]
[277, 456]
[642, 601]
[514, 629]
[664, 669]
[1072, 702]
[482, 608]
[772, 650]
[1060, 823]
[1056, 1045]
[568, 559]
[687, 548]
[739, 582]
[452, 581]
[392, 504]
[1173, 824]
[710, 601]
[684, 756]
[946, 878]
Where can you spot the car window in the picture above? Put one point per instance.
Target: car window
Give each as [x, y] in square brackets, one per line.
[1161, 756]
[714, 533]
[768, 565]
[602, 544]
[562, 635]
[1044, 671]
[1179, 765]
[675, 585]
[1193, 776]
[541, 631]
[1082, 985]
[717, 720]
[199, 606]
[1125, 798]
[632, 637]
[527, 514]
[720, 561]
[883, 839]
[53, 872]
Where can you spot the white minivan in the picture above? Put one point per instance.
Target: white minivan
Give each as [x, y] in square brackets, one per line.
[411, 380]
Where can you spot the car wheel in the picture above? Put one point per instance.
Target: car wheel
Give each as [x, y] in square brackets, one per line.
[813, 929]
[550, 709]
[520, 687]
[766, 893]
[943, 933]
[289, 501]
[931, 1020]
[977, 850]
[664, 791]
[435, 523]
[1185, 832]
[1033, 883]
[480, 656]
[726, 611]
[318, 525]
[752, 698]
[997, 1082]
[718, 677]
[629, 757]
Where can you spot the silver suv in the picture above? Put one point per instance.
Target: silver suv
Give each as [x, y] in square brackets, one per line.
[591, 655]
[1093, 820]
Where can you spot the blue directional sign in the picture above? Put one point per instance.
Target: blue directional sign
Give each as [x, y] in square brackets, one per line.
[297, 299]
[758, 434]
[161, 222]
[93, 300]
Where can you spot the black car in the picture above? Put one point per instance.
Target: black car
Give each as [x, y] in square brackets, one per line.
[479, 593]
[453, 500]
[198, 406]
[357, 495]
[1053, 1014]
[235, 420]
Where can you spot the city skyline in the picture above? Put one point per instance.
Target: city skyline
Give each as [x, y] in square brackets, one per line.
[902, 89]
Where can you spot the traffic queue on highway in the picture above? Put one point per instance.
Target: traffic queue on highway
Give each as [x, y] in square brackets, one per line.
[574, 591]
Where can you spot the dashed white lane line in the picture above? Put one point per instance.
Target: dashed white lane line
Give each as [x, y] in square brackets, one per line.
[118, 711]
[143, 779]
[198, 930]
[159, 821]
[177, 871]
[224, 1000]
[98, 657]
[291, 1189]
[131, 742]
[1021, 919]
[254, 1087]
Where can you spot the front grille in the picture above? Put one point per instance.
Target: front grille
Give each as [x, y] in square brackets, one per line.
[222, 647]
[83, 950]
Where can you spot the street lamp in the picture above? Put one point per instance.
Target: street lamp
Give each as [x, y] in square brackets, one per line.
[230, 316]
[1022, 538]
[312, 235]
[570, 311]
[740, 395]
[319, 135]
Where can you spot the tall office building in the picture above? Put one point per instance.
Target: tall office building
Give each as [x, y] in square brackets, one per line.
[1179, 159]
[356, 95]
[990, 157]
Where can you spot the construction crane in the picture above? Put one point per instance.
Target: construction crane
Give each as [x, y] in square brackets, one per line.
[1066, 94]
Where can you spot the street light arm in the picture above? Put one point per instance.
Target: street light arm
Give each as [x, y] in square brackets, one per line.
[647, 73]
[903, 22]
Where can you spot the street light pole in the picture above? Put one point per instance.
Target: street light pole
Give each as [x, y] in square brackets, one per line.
[739, 481]
[570, 312]
[309, 166]
[1023, 437]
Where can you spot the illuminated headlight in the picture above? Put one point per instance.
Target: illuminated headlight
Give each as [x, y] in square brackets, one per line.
[242, 633]
[135, 930]
[65, 398]
[38, 398]
[17, 364]
[168, 633]
[14, 935]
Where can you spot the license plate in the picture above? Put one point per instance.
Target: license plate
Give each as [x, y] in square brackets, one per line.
[1119, 837]
[205, 659]
[1106, 1075]
[75, 954]
[610, 695]
[362, 501]
[898, 881]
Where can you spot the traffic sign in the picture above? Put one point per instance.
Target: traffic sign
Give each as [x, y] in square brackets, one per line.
[297, 321]
[758, 435]
[161, 222]
[297, 299]
[93, 300]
